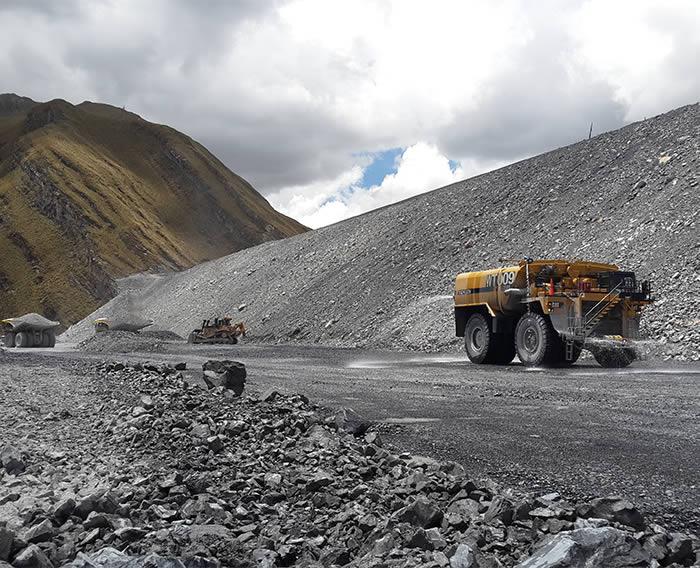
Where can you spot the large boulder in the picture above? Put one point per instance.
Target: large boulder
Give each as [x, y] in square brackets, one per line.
[228, 374]
[604, 547]
[614, 509]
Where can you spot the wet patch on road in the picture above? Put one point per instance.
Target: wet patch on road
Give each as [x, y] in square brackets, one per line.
[411, 420]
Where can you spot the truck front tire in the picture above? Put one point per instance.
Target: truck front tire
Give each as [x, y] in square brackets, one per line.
[23, 339]
[535, 340]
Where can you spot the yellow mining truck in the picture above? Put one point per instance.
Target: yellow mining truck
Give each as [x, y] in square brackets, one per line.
[29, 330]
[548, 311]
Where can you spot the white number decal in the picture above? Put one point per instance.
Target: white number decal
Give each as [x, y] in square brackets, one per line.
[502, 279]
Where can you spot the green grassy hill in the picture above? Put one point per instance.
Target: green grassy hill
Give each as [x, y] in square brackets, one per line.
[90, 193]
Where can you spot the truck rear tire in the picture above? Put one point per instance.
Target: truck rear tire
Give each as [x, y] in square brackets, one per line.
[614, 358]
[535, 340]
[48, 339]
[9, 339]
[23, 339]
[484, 346]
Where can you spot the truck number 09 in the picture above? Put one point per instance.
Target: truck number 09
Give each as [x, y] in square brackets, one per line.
[502, 279]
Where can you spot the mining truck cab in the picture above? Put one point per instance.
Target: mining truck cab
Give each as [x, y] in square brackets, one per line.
[548, 310]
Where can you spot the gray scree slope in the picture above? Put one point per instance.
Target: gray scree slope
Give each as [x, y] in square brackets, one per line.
[384, 279]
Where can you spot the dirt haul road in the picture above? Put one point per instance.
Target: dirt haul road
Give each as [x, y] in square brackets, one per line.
[583, 431]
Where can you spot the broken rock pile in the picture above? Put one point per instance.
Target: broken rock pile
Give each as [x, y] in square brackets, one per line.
[123, 342]
[188, 476]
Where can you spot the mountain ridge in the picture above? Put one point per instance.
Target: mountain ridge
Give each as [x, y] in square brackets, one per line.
[90, 193]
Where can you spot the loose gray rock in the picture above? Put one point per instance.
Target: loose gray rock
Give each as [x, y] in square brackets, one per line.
[11, 460]
[463, 557]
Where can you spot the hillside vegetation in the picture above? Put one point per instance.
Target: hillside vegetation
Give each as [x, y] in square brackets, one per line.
[90, 193]
[385, 279]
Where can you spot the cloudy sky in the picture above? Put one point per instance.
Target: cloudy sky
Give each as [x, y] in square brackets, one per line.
[333, 107]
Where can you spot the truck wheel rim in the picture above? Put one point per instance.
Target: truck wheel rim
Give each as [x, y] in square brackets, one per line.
[530, 340]
[478, 339]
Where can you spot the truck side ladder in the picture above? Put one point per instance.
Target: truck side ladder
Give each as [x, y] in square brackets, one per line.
[581, 328]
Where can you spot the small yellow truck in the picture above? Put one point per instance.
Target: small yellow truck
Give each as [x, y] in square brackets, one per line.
[548, 310]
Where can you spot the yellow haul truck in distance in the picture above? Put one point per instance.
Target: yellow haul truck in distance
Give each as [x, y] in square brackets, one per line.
[548, 311]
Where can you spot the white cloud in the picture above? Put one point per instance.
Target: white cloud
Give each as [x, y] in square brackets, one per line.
[288, 92]
[421, 167]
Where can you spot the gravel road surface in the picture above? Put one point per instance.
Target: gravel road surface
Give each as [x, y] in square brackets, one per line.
[583, 431]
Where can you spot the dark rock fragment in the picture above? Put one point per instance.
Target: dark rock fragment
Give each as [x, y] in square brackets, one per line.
[228, 374]
[680, 549]
[41, 532]
[349, 421]
[420, 513]
[64, 509]
[500, 508]
[6, 538]
[32, 557]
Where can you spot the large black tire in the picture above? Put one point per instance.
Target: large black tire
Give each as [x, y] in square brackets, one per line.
[48, 338]
[23, 339]
[536, 341]
[9, 339]
[614, 358]
[478, 338]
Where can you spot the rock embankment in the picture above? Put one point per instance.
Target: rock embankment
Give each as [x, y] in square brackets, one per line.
[385, 279]
[203, 477]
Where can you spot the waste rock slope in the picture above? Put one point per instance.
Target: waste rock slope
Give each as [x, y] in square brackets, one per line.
[384, 279]
[91, 192]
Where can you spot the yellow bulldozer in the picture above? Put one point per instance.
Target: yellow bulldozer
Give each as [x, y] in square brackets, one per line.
[548, 311]
[218, 330]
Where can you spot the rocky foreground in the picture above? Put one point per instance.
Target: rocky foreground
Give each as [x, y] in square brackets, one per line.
[163, 468]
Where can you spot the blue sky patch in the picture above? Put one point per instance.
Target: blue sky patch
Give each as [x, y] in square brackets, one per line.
[383, 163]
